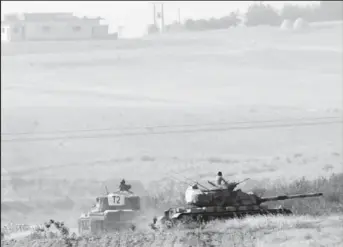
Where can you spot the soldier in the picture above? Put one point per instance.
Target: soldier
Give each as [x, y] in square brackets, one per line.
[153, 224]
[220, 179]
[124, 187]
[96, 207]
[195, 187]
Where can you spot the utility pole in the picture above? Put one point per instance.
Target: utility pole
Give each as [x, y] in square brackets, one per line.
[120, 31]
[162, 17]
[155, 24]
[179, 15]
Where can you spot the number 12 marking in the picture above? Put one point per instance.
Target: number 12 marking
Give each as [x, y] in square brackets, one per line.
[116, 199]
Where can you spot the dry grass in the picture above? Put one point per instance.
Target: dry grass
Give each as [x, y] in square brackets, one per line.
[314, 223]
[255, 231]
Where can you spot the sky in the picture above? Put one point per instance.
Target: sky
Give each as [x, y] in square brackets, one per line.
[134, 16]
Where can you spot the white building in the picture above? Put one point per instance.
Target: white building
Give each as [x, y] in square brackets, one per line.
[51, 26]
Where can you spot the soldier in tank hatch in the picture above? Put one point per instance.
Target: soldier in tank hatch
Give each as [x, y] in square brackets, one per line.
[123, 186]
[220, 180]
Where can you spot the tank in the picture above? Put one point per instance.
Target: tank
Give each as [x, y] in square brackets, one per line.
[223, 203]
[111, 212]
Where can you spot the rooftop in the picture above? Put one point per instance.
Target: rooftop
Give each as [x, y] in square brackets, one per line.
[38, 17]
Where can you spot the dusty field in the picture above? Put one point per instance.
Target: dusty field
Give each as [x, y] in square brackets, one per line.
[259, 231]
[149, 108]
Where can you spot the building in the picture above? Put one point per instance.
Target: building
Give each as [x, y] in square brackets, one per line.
[51, 26]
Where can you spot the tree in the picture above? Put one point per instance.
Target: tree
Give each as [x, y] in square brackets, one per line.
[152, 29]
[229, 21]
[293, 12]
[325, 11]
[262, 14]
[331, 10]
[189, 24]
[213, 23]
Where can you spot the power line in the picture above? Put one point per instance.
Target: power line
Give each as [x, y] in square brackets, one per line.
[169, 132]
[165, 126]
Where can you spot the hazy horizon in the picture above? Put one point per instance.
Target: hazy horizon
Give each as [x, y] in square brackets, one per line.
[133, 15]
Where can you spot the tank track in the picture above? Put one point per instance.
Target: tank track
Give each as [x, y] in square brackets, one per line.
[237, 214]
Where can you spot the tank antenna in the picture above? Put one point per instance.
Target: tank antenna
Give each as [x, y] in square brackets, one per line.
[194, 181]
[183, 182]
[180, 180]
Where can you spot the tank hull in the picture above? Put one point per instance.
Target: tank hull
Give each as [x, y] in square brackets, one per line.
[98, 223]
[208, 205]
[176, 216]
[209, 216]
[95, 227]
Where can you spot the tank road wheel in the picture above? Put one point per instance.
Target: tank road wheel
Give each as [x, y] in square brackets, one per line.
[186, 219]
[180, 221]
[97, 227]
[278, 211]
[219, 200]
[169, 224]
[79, 228]
[285, 211]
[202, 219]
[82, 226]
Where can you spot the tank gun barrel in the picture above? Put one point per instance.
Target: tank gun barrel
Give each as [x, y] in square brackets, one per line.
[285, 197]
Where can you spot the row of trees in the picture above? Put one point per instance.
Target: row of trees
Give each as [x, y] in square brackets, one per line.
[261, 14]
[264, 14]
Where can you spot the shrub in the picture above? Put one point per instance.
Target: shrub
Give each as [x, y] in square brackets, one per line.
[213, 23]
[262, 14]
